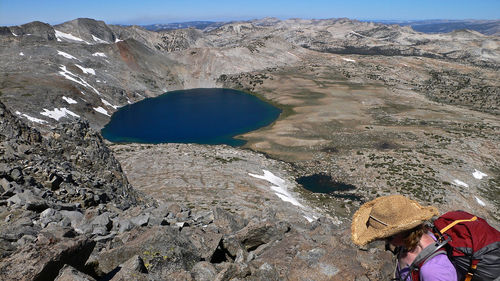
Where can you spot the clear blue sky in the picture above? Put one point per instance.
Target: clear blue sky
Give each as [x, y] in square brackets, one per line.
[14, 12]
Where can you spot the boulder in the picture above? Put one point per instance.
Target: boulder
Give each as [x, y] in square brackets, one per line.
[203, 271]
[4, 185]
[163, 249]
[103, 220]
[228, 222]
[29, 201]
[205, 241]
[133, 268]
[141, 220]
[69, 273]
[43, 260]
[74, 217]
[254, 235]
[232, 271]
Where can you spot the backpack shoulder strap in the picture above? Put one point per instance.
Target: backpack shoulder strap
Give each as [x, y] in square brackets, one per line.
[428, 253]
[446, 228]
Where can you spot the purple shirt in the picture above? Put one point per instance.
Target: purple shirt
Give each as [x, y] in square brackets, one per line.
[438, 268]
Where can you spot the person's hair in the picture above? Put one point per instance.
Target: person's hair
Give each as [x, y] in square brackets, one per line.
[412, 236]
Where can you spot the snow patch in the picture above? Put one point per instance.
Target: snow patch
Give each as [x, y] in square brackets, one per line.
[355, 33]
[62, 35]
[58, 113]
[69, 100]
[461, 183]
[349, 60]
[32, 119]
[99, 55]
[279, 187]
[118, 40]
[66, 55]
[101, 110]
[14, 34]
[86, 70]
[99, 40]
[480, 202]
[73, 77]
[105, 102]
[478, 174]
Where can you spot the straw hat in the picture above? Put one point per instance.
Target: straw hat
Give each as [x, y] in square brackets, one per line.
[386, 216]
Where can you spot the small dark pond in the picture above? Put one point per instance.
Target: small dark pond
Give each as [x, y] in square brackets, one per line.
[321, 183]
[204, 116]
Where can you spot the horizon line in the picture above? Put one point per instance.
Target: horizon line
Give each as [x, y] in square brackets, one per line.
[252, 19]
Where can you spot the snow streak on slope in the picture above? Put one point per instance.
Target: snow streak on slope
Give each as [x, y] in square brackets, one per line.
[99, 55]
[66, 55]
[69, 100]
[75, 78]
[99, 40]
[281, 190]
[32, 119]
[101, 110]
[478, 174]
[58, 113]
[86, 70]
[61, 35]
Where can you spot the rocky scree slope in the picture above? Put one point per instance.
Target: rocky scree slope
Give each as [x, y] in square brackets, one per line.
[68, 213]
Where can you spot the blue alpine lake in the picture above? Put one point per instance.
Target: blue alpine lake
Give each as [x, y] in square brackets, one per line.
[204, 116]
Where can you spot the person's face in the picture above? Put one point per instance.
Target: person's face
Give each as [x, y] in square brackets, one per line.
[394, 243]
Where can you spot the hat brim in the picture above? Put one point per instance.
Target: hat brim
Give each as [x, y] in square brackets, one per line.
[362, 233]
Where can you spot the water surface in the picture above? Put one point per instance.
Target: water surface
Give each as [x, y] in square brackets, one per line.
[321, 183]
[204, 116]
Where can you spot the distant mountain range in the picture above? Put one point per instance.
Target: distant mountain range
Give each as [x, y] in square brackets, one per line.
[181, 25]
[487, 27]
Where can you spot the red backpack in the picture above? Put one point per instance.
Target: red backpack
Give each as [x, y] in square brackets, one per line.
[472, 245]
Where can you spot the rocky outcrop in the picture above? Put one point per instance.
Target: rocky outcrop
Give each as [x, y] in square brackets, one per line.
[36, 28]
[90, 30]
[47, 181]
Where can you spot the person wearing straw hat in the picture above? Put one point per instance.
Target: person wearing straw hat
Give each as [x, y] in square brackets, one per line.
[403, 224]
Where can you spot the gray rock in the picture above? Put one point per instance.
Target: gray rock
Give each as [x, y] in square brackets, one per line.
[51, 252]
[100, 230]
[74, 217]
[232, 271]
[183, 215]
[204, 218]
[203, 271]
[228, 222]
[256, 234]
[16, 174]
[163, 248]
[103, 220]
[204, 240]
[29, 201]
[48, 216]
[124, 225]
[141, 220]
[69, 273]
[132, 268]
[174, 209]
[4, 185]
[265, 272]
